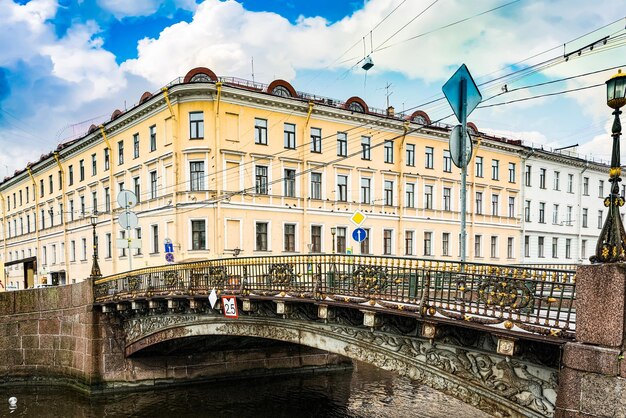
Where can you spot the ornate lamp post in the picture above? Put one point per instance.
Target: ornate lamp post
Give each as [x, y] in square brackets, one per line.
[95, 268]
[611, 247]
[333, 231]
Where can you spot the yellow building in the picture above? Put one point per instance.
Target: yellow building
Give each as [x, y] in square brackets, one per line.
[227, 167]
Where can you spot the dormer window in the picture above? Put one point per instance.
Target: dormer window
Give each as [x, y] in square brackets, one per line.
[356, 107]
[281, 91]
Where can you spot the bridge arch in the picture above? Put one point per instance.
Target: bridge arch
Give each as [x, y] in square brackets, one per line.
[480, 378]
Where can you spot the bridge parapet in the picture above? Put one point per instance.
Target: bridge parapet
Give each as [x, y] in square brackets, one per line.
[526, 301]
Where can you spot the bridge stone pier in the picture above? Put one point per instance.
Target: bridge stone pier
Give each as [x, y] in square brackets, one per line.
[592, 381]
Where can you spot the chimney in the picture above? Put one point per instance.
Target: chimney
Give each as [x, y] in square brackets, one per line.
[390, 112]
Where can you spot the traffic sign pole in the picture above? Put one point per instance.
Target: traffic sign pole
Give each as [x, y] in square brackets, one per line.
[464, 158]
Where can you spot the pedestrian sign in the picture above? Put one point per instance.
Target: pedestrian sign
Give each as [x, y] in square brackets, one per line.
[229, 304]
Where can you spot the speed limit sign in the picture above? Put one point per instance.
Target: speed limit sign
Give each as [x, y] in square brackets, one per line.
[229, 304]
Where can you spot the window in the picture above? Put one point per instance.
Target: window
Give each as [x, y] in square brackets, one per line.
[527, 175]
[479, 166]
[388, 193]
[316, 186]
[428, 197]
[70, 173]
[555, 214]
[153, 138]
[196, 125]
[585, 212]
[511, 207]
[107, 200]
[410, 155]
[599, 219]
[81, 166]
[410, 195]
[289, 238]
[542, 178]
[342, 188]
[429, 157]
[540, 247]
[28, 195]
[583, 249]
[477, 245]
[511, 172]
[387, 241]
[601, 188]
[136, 145]
[568, 248]
[568, 219]
[509, 247]
[106, 159]
[138, 237]
[388, 148]
[123, 249]
[120, 152]
[137, 188]
[570, 183]
[72, 250]
[84, 246]
[290, 135]
[366, 190]
[342, 144]
[586, 186]
[341, 240]
[261, 236]
[365, 244]
[289, 182]
[260, 131]
[557, 180]
[447, 198]
[50, 184]
[94, 202]
[198, 235]
[260, 184]
[526, 246]
[154, 229]
[479, 203]
[495, 169]
[82, 206]
[542, 212]
[71, 202]
[428, 243]
[108, 245]
[27, 224]
[94, 166]
[316, 140]
[527, 211]
[196, 171]
[447, 161]
[153, 185]
[316, 239]
[494, 246]
[445, 243]
[495, 203]
[408, 242]
[555, 247]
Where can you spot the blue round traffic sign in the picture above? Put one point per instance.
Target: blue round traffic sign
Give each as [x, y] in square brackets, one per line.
[169, 257]
[359, 234]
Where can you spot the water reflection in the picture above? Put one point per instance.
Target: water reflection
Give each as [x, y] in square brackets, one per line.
[362, 392]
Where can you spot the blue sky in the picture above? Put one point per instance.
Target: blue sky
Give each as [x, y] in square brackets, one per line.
[69, 63]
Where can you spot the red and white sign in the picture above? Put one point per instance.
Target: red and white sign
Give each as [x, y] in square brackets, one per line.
[229, 305]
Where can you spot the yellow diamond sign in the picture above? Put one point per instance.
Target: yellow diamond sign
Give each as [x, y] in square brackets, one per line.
[358, 217]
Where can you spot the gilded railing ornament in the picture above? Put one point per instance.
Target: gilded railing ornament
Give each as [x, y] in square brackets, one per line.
[370, 279]
[513, 294]
[281, 274]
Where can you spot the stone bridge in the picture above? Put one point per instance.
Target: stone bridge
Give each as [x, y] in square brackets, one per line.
[502, 338]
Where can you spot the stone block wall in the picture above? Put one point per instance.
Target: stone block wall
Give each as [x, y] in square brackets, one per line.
[48, 334]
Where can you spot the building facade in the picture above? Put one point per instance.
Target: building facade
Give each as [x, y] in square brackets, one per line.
[223, 167]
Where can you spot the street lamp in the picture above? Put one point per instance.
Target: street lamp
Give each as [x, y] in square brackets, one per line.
[95, 268]
[611, 247]
[333, 231]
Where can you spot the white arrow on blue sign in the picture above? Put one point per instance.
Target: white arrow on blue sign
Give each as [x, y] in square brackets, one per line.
[359, 234]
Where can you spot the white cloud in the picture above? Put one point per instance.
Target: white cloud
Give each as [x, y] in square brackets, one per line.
[123, 8]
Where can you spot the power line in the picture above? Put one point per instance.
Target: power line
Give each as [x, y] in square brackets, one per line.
[540, 96]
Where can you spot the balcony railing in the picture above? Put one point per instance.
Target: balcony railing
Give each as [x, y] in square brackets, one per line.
[520, 299]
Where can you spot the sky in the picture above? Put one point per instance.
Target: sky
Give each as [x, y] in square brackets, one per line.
[65, 64]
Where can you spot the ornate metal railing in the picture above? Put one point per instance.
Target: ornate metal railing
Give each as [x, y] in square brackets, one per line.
[536, 300]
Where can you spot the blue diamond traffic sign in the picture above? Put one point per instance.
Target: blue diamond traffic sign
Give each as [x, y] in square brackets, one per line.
[452, 91]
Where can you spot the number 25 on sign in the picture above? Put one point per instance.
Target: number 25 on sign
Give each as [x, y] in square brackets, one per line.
[229, 304]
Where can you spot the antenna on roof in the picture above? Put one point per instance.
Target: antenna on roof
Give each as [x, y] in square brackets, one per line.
[253, 69]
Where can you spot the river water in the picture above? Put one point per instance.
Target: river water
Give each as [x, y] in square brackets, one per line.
[363, 391]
